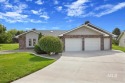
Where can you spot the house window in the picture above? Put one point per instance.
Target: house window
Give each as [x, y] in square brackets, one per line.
[30, 42]
[34, 42]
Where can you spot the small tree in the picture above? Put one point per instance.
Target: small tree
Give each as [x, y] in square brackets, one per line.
[50, 44]
[40, 35]
[116, 31]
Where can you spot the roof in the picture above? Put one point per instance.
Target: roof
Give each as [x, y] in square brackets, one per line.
[51, 32]
[45, 32]
[62, 32]
[91, 26]
[121, 35]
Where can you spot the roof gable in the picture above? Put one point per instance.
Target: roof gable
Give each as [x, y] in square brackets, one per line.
[123, 33]
[84, 30]
[92, 27]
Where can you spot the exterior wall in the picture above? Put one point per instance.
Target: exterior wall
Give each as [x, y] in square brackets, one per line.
[83, 31]
[31, 35]
[122, 40]
[22, 42]
[88, 36]
[107, 43]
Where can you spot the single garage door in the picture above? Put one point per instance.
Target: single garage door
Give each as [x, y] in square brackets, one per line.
[92, 44]
[106, 43]
[73, 44]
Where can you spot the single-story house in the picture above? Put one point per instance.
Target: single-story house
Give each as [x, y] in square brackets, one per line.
[121, 39]
[86, 37]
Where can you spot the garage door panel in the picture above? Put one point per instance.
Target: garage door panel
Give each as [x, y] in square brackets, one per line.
[73, 44]
[92, 44]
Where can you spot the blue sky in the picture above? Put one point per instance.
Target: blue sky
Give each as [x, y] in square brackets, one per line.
[61, 14]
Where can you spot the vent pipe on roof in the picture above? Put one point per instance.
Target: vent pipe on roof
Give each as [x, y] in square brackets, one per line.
[51, 31]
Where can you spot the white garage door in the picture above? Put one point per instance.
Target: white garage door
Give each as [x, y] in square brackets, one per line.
[106, 43]
[92, 44]
[73, 44]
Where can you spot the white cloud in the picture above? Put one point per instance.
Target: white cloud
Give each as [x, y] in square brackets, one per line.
[56, 2]
[59, 8]
[112, 9]
[35, 12]
[13, 17]
[77, 8]
[28, 28]
[36, 21]
[17, 13]
[104, 7]
[41, 14]
[1, 1]
[39, 2]
[55, 28]
[45, 16]
[69, 20]
[28, 0]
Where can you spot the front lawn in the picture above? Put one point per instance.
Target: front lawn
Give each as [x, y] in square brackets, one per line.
[9, 46]
[115, 47]
[17, 65]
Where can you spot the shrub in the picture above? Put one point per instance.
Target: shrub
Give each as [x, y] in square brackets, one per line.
[51, 44]
[115, 42]
[38, 50]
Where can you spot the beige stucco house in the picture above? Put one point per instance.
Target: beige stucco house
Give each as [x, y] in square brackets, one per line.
[121, 39]
[86, 37]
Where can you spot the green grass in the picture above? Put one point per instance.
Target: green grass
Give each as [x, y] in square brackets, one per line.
[115, 47]
[9, 46]
[16, 65]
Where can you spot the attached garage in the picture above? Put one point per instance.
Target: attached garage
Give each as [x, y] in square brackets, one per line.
[92, 44]
[73, 44]
[87, 37]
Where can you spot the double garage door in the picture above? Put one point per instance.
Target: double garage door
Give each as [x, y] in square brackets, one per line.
[90, 44]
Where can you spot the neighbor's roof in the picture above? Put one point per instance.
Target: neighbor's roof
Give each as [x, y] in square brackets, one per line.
[45, 32]
[121, 35]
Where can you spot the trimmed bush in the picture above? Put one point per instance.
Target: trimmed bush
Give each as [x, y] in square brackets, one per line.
[51, 44]
[38, 50]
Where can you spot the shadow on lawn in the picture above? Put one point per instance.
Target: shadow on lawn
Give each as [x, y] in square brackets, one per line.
[38, 59]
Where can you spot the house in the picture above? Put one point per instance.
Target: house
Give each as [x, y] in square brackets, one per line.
[86, 37]
[121, 39]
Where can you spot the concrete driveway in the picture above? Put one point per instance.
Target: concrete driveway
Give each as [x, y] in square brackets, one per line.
[82, 67]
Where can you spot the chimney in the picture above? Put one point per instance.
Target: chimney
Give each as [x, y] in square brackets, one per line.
[86, 22]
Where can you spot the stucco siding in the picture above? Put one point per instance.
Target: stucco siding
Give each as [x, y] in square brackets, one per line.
[31, 35]
[122, 40]
[83, 31]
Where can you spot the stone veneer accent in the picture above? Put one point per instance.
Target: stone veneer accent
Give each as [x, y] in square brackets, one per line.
[22, 42]
[88, 36]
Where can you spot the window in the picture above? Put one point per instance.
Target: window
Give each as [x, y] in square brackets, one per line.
[30, 42]
[34, 42]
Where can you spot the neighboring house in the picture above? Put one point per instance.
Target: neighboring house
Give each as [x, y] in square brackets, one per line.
[121, 39]
[86, 37]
